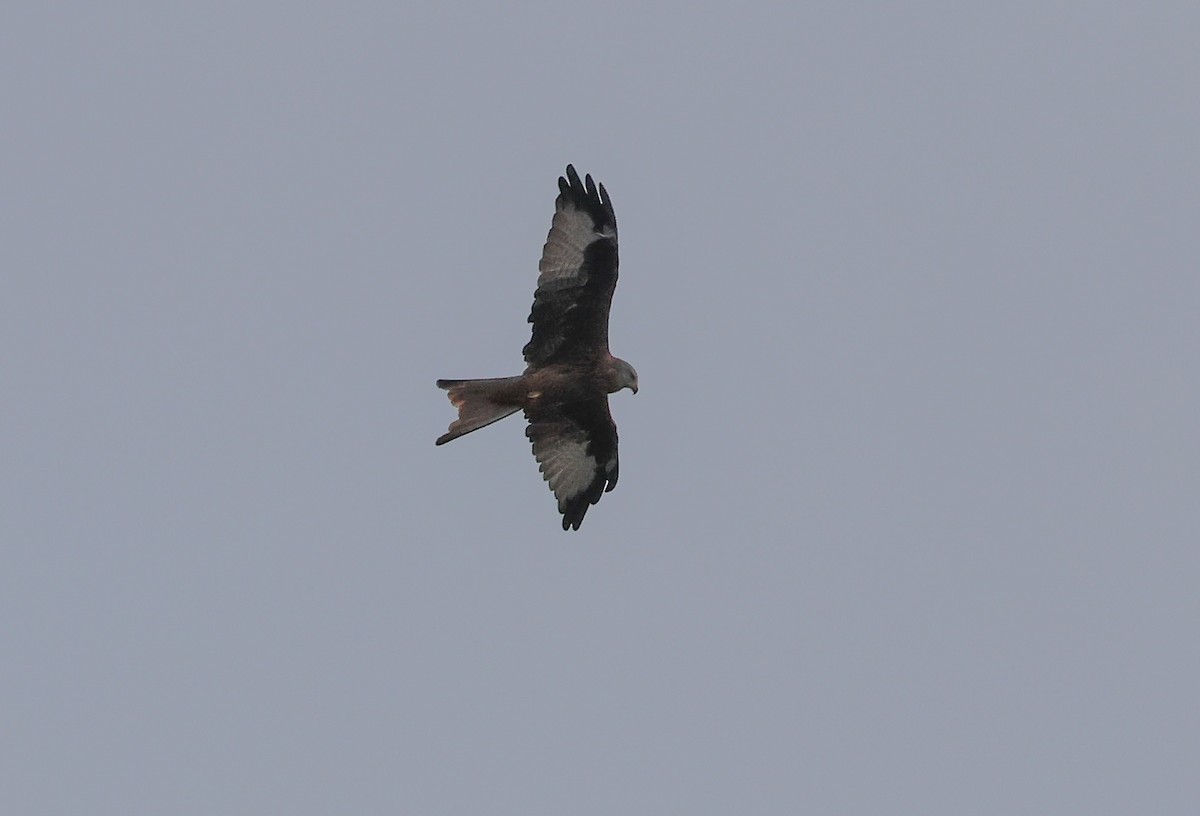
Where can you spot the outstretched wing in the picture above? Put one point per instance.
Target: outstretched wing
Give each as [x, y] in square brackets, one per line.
[577, 275]
[576, 448]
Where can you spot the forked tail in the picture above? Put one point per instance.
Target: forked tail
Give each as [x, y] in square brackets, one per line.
[479, 403]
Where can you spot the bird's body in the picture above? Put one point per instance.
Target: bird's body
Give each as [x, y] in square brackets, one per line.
[570, 371]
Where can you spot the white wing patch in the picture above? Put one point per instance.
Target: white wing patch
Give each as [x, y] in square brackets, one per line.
[571, 232]
[565, 463]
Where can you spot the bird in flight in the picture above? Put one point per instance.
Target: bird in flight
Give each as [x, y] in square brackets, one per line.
[569, 370]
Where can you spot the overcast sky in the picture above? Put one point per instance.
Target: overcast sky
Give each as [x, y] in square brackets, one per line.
[908, 517]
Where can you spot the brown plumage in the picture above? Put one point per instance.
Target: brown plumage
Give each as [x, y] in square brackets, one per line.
[569, 370]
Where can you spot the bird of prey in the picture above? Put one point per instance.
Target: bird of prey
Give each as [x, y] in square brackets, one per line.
[569, 371]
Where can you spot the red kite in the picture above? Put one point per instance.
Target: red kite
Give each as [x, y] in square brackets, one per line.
[569, 371]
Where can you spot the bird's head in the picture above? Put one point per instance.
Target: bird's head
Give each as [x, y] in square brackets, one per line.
[623, 376]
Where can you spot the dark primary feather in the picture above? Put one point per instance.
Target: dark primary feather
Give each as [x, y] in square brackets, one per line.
[576, 448]
[577, 276]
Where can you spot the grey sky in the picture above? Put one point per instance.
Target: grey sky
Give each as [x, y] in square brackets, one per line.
[908, 517]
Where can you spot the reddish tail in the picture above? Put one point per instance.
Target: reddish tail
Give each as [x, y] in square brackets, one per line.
[478, 403]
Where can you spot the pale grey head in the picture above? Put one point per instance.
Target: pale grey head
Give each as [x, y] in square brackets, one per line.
[623, 376]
